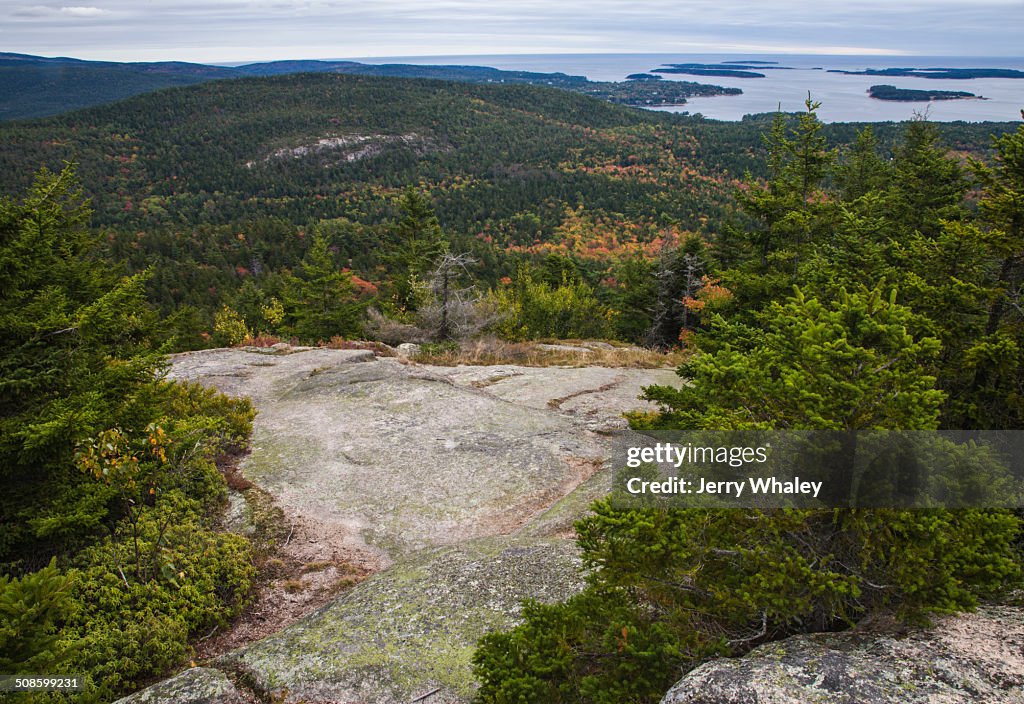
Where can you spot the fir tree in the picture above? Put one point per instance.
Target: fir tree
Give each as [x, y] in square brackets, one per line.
[320, 300]
[420, 241]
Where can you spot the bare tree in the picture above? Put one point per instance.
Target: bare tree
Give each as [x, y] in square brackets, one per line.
[450, 309]
[455, 311]
[680, 276]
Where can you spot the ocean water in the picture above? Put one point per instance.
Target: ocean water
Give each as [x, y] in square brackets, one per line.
[843, 98]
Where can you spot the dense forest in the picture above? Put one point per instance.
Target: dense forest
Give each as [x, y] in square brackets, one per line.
[839, 277]
[222, 187]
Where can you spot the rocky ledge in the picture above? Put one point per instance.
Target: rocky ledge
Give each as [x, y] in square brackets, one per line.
[455, 487]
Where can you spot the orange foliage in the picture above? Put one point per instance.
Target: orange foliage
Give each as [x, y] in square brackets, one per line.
[711, 293]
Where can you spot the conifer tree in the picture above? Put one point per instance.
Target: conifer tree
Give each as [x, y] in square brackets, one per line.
[320, 300]
[863, 170]
[30, 611]
[420, 241]
[76, 359]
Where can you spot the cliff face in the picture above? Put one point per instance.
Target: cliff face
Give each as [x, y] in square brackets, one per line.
[456, 487]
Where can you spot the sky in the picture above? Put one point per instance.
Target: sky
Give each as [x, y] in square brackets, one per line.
[224, 31]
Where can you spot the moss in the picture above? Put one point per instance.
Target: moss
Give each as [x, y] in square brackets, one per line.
[414, 626]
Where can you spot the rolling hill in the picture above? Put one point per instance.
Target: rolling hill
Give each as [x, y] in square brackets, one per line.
[224, 178]
[35, 86]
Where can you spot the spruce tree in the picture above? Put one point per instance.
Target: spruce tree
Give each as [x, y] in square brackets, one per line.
[320, 300]
[420, 241]
[76, 359]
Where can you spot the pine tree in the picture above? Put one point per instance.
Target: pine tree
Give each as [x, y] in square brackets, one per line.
[863, 170]
[76, 359]
[420, 241]
[30, 611]
[320, 300]
[928, 186]
[851, 365]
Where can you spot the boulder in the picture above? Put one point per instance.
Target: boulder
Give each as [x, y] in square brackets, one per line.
[409, 349]
[198, 685]
[963, 659]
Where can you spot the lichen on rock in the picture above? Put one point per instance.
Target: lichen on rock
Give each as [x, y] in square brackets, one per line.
[963, 659]
[197, 685]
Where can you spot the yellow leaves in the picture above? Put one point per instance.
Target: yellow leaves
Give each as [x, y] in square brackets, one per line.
[115, 458]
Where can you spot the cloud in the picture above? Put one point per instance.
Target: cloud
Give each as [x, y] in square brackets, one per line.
[32, 11]
[239, 30]
[84, 11]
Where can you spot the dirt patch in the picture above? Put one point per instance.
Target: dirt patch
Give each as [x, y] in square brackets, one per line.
[556, 403]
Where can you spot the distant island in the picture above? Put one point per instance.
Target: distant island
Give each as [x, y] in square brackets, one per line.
[941, 73]
[886, 92]
[642, 77]
[726, 69]
[719, 70]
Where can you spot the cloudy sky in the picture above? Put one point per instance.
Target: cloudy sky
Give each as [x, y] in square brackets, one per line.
[244, 30]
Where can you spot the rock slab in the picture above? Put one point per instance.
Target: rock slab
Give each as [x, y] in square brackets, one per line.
[198, 685]
[964, 659]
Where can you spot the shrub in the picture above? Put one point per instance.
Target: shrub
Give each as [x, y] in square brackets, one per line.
[671, 587]
[531, 309]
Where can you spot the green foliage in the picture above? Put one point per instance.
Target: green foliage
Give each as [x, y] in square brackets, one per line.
[109, 471]
[127, 629]
[531, 309]
[668, 588]
[420, 242]
[850, 366]
[31, 609]
[320, 301]
[863, 170]
[75, 359]
[634, 298]
[229, 328]
[671, 587]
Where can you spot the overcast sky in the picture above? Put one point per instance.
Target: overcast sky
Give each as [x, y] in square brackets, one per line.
[244, 30]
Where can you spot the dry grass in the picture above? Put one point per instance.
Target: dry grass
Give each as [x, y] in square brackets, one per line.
[260, 341]
[378, 348]
[492, 351]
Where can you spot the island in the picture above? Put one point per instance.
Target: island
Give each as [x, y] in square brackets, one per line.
[652, 93]
[642, 77]
[887, 92]
[961, 74]
[720, 70]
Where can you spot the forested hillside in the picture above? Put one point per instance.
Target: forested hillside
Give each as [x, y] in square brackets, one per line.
[36, 86]
[227, 182]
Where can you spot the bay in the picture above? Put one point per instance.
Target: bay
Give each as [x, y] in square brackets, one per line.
[844, 98]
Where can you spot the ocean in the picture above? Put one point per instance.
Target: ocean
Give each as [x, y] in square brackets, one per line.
[843, 98]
